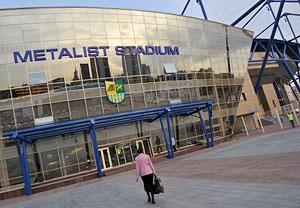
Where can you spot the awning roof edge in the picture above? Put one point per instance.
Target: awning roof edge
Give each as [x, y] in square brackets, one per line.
[148, 115]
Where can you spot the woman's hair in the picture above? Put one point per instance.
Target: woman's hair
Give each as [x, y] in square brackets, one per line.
[140, 150]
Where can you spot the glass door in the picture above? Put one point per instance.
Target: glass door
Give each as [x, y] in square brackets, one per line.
[120, 154]
[113, 156]
[134, 149]
[127, 152]
[106, 159]
[146, 145]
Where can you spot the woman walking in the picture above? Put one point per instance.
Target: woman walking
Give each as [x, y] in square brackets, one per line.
[145, 170]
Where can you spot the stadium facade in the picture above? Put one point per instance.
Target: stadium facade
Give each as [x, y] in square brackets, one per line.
[60, 64]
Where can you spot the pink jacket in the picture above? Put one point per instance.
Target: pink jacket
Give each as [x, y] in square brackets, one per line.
[143, 165]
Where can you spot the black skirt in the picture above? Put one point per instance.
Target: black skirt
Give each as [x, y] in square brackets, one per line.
[148, 182]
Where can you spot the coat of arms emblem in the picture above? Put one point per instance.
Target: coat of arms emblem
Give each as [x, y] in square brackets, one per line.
[115, 91]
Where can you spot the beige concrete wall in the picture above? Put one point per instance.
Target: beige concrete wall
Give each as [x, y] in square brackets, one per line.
[251, 102]
[271, 96]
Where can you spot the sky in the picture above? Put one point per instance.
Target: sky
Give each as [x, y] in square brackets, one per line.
[225, 11]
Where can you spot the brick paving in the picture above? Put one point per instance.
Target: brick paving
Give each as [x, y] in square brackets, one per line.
[260, 172]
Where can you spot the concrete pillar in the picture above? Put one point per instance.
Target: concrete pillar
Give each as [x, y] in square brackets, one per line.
[245, 127]
[278, 118]
[260, 123]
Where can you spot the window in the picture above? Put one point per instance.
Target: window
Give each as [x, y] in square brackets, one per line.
[243, 97]
[170, 68]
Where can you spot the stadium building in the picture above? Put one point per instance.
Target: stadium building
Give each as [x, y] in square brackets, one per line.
[63, 66]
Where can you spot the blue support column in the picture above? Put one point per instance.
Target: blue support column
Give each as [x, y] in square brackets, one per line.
[275, 20]
[165, 136]
[248, 12]
[27, 178]
[21, 146]
[186, 5]
[95, 147]
[202, 8]
[204, 129]
[170, 132]
[210, 125]
[270, 43]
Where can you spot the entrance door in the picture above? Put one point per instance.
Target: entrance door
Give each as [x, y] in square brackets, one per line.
[127, 152]
[146, 145]
[106, 159]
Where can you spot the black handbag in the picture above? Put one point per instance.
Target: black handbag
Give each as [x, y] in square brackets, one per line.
[158, 185]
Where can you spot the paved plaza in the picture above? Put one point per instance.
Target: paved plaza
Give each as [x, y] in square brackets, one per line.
[259, 172]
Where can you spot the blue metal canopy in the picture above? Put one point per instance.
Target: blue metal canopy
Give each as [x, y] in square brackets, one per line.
[22, 137]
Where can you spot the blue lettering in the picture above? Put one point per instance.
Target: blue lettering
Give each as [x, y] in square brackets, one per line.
[120, 50]
[130, 50]
[75, 55]
[39, 55]
[51, 50]
[140, 49]
[93, 51]
[104, 48]
[27, 55]
[65, 52]
[174, 51]
[159, 51]
[84, 52]
[149, 50]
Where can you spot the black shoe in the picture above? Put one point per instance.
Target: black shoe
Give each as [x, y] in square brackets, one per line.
[153, 202]
[149, 200]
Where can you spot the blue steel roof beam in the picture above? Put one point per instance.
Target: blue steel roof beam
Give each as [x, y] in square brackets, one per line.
[202, 8]
[127, 120]
[97, 126]
[249, 11]
[286, 1]
[50, 126]
[291, 27]
[254, 15]
[282, 36]
[289, 71]
[284, 50]
[105, 125]
[254, 49]
[182, 112]
[186, 5]
[265, 49]
[193, 104]
[269, 46]
[86, 125]
[64, 124]
[130, 113]
[142, 116]
[273, 60]
[272, 51]
[291, 49]
[195, 111]
[54, 129]
[50, 135]
[295, 38]
[283, 15]
[70, 126]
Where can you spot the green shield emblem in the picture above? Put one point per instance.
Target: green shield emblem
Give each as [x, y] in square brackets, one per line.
[115, 91]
